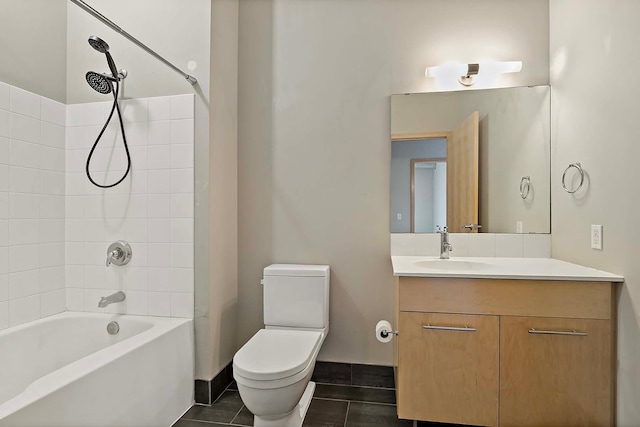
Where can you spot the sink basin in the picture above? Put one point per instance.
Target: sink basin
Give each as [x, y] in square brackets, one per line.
[452, 265]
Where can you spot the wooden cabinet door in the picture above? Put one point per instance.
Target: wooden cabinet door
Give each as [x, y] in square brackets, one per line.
[448, 371]
[551, 376]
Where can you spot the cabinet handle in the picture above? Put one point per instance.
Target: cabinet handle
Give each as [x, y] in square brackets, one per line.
[573, 333]
[449, 328]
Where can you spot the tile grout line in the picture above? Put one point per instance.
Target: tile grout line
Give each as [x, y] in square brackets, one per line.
[236, 415]
[346, 416]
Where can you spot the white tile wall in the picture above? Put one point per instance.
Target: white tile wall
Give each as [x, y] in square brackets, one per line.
[474, 245]
[152, 209]
[32, 208]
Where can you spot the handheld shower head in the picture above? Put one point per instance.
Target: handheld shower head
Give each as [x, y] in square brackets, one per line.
[99, 82]
[98, 44]
[101, 46]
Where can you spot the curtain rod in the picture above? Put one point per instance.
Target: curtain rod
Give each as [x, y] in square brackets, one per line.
[144, 47]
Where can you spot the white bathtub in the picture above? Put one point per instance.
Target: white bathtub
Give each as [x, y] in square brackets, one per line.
[66, 371]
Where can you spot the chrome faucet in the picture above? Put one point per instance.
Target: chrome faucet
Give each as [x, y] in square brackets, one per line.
[113, 298]
[445, 246]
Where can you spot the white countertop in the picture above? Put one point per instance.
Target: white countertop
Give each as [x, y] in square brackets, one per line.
[498, 268]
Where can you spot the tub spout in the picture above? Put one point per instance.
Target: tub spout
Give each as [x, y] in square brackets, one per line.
[113, 298]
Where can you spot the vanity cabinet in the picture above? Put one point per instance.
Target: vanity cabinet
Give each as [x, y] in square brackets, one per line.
[505, 352]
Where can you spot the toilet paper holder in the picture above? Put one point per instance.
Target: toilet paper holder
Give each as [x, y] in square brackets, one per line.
[384, 333]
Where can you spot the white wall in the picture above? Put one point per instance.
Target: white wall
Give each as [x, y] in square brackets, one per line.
[424, 187]
[32, 208]
[33, 42]
[152, 208]
[595, 122]
[313, 142]
[440, 195]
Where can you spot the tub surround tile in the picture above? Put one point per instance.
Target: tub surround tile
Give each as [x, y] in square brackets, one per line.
[25, 103]
[4, 287]
[182, 305]
[52, 112]
[23, 310]
[5, 123]
[152, 210]
[5, 100]
[182, 107]
[4, 315]
[55, 226]
[52, 303]
[159, 108]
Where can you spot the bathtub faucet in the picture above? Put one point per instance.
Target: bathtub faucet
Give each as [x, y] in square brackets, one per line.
[113, 298]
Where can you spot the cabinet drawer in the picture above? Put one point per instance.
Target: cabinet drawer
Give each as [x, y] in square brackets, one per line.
[588, 300]
[555, 372]
[448, 368]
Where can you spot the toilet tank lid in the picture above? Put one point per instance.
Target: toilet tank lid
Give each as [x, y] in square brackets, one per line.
[297, 270]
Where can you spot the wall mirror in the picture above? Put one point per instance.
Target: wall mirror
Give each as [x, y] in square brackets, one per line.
[472, 161]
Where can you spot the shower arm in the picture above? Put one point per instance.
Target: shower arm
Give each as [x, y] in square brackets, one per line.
[91, 11]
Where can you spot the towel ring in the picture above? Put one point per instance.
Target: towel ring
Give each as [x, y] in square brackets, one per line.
[525, 186]
[564, 175]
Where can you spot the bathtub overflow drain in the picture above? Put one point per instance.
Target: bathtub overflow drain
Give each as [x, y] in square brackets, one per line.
[113, 328]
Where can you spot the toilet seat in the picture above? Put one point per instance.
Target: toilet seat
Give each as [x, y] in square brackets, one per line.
[276, 357]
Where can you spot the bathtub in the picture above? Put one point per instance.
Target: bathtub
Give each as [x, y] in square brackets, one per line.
[67, 371]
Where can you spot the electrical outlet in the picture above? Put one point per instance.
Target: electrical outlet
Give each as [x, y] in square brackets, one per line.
[399, 216]
[596, 237]
[519, 227]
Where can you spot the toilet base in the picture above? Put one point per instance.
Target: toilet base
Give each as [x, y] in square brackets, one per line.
[296, 417]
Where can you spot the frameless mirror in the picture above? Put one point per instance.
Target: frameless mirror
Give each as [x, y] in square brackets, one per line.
[471, 161]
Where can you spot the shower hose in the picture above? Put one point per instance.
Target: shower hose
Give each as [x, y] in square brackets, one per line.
[115, 107]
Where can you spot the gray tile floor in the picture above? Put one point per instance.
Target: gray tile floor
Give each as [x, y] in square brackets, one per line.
[332, 406]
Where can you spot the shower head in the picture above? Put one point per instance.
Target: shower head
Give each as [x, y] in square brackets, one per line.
[101, 46]
[98, 44]
[99, 82]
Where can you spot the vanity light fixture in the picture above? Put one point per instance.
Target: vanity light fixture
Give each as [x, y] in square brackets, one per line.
[466, 72]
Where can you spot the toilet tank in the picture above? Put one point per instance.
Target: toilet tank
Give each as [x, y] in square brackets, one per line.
[296, 295]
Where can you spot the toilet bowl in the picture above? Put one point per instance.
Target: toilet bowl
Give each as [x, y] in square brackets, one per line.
[274, 368]
[273, 371]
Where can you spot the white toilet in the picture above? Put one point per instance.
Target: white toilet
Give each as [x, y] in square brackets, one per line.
[273, 369]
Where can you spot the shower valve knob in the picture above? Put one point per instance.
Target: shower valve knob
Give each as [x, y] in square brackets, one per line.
[119, 253]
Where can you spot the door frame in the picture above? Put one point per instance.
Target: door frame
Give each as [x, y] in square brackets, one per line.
[419, 136]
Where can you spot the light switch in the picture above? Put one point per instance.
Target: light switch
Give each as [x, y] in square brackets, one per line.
[399, 216]
[519, 227]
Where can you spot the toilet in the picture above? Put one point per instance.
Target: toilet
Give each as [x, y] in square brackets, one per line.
[273, 369]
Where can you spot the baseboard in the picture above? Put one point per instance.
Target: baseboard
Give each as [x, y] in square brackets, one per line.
[354, 374]
[206, 392]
